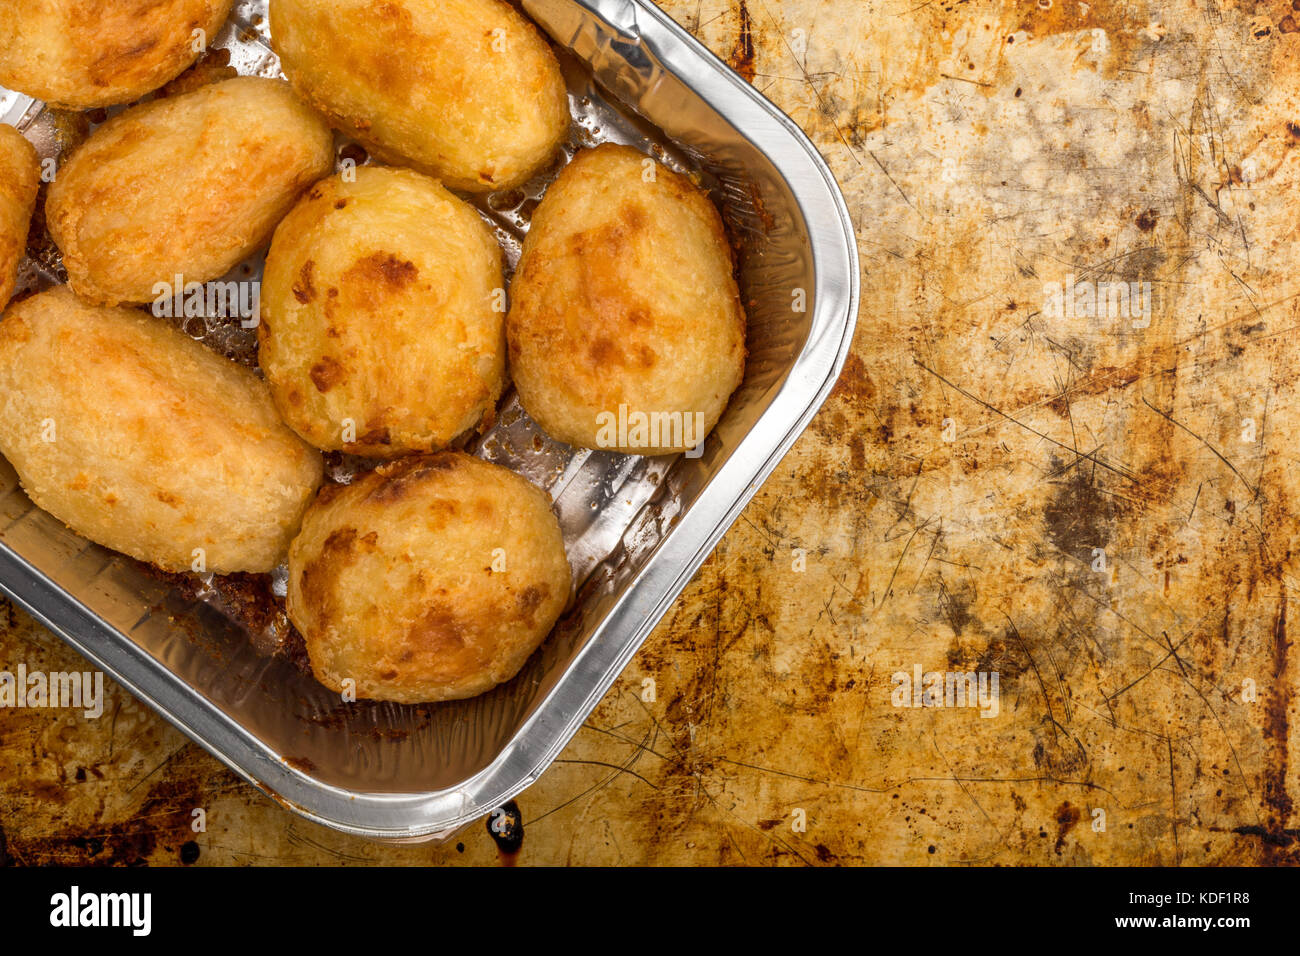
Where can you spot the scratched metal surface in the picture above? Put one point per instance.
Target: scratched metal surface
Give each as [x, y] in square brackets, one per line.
[979, 453]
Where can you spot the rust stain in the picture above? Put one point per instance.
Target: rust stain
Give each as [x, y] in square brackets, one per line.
[741, 58]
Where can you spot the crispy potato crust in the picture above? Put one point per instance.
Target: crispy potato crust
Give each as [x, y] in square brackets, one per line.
[145, 441]
[80, 54]
[627, 274]
[431, 578]
[188, 185]
[20, 178]
[383, 326]
[465, 90]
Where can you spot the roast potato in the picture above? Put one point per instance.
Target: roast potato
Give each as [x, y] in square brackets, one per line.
[188, 185]
[432, 578]
[626, 274]
[465, 90]
[20, 178]
[383, 315]
[80, 54]
[145, 441]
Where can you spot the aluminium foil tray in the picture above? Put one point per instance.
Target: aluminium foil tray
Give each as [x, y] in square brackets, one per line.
[636, 528]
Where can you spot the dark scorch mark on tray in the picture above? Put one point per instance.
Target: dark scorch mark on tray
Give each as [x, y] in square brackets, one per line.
[506, 827]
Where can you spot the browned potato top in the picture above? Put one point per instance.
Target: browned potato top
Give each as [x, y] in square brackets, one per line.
[20, 179]
[383, 315]
[80, 54]
[188, 185]
[624, 305]
[431, 578]
[465, 90]
[146, 441]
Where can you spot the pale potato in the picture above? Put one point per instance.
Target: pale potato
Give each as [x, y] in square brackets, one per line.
[145, 441]
[79, 54]
[189, 185]
[383, 315]
[465, 90]
[20, 178]
[432, 578]
[625, 330]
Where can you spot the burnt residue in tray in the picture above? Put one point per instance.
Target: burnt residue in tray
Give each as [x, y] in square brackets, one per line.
[248, 600]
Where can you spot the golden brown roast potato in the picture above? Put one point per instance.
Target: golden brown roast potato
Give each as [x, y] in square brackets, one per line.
[79, 54]
[145, 441]
[432, 578]
[20, 178]
[465, 90]
[626, 330]
[188, 185]
[383, 315]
